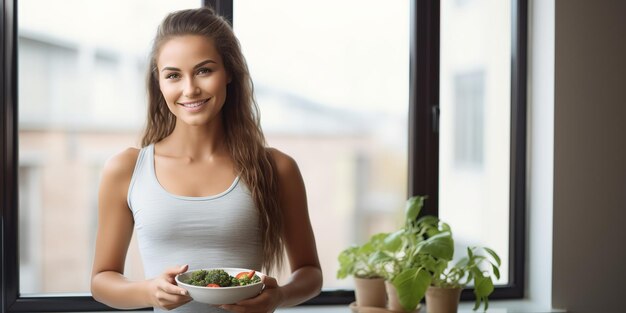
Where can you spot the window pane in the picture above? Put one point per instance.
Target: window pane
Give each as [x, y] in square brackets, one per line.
[81, 92]
[475, 98]
[331, 80]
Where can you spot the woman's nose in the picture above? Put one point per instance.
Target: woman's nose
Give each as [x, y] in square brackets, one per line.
[191, 89]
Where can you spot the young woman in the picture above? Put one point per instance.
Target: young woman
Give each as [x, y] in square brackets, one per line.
[203, 191]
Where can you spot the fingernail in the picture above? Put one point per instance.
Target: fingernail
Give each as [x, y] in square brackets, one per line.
[183, 292]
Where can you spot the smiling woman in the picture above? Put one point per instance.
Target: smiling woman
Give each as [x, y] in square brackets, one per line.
[204, 155]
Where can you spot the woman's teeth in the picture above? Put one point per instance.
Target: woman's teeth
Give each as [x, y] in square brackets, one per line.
[195, 104]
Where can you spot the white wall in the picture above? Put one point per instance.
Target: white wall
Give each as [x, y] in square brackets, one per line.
[589, 255]
[540, 152]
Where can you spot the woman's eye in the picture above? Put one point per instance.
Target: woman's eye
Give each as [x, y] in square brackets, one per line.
[171, 76]
[204, 70]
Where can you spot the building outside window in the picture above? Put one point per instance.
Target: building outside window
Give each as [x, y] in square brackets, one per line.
[469, 95]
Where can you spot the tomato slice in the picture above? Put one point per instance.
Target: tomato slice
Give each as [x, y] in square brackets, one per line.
[251, 274]
[213, 285]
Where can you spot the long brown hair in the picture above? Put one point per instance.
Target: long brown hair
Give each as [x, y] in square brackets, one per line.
[243, 135]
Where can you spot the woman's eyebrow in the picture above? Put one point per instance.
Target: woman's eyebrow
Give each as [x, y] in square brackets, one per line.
[195, 67]
[204, 62]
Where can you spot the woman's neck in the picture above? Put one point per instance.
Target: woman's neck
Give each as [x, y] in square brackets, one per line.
[196, 142]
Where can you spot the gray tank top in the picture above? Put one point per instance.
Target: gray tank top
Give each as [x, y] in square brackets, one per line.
[214, 231]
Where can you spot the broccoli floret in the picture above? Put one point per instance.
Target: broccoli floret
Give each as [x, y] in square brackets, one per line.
[255, 279]
[198, 275]
[234, 281]
[244, 281]
[197, 278]
[219, 277]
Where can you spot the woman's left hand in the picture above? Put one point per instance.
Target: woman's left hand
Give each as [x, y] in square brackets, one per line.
[267, 301]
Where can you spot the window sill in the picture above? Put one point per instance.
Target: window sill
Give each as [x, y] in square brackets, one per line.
[495, 306]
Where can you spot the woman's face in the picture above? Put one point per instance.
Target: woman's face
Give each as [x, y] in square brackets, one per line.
[192, 79]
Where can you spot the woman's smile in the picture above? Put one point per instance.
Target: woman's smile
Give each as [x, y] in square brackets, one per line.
[194, 106]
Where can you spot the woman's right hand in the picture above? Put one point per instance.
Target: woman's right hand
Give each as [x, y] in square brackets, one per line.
[164, 293]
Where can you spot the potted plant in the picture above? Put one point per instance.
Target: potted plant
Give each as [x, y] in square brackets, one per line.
[409, 253]
[414, 262]
[447, 282]
[369, 283]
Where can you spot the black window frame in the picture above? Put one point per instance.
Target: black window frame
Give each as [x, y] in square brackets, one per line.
[423, 137]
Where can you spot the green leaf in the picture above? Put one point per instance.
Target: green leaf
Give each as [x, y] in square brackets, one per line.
[476, 304]
[496, 271]
[411, 285]
[435, 227]
[379, 257]
[366, 249]
[483, 286]
[413, 207]
[470, 276]
[345, 270]
[439, 246]
[344, 256]
[428, 221]
[342, 273]
[393, 241]
[377, 240]
[434, 266]
[428, 263]
[445, 227]
[347, 262]
[494, 255]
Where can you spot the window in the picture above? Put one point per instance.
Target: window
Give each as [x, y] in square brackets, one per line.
[334, 95]
[351, 117]
[475, 125]
[29, 224]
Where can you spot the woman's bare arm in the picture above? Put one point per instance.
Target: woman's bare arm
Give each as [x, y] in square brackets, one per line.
[306, 277]
[115, 228]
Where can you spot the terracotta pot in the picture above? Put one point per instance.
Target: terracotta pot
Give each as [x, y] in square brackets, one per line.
[393, 303]
[370, 292]
[442, 300]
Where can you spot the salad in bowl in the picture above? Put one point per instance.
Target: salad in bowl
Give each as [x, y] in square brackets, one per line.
[221, 285]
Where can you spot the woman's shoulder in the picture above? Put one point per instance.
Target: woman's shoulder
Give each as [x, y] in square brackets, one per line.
[122, 164]
[285, 164]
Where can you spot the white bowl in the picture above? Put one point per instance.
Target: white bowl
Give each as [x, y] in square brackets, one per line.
[221, 295]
